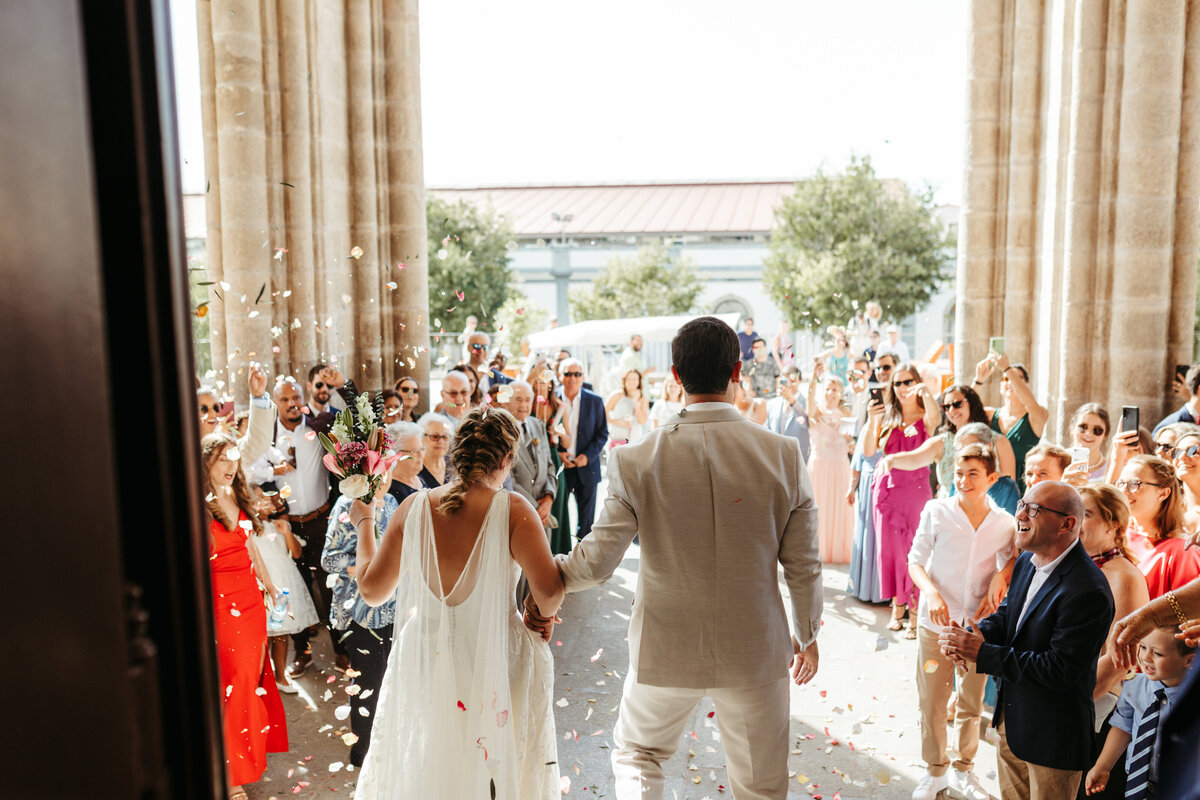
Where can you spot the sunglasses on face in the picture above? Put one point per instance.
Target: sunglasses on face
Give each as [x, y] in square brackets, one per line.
[1175, 452]
[407, 390]
[320, 385]
[479, 347]
[205, 409]
[905, 382]
[884, 368]
[438, 437]
[1134, 486]
[1033, 509]
[957, 404]
[1096, 429]
[572, 374]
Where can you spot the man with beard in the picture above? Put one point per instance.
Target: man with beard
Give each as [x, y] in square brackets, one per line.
[631, 358]
[321, 392]
[304, 482]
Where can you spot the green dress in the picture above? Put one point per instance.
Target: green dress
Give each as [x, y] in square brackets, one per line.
[560, 537]
[1022, 438]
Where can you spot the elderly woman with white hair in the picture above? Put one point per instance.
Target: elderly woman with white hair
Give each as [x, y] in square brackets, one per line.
[408, 442]
[437, 433]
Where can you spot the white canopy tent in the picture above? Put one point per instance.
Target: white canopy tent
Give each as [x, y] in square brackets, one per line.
[602, 332]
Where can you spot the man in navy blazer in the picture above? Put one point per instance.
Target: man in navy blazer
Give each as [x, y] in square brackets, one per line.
[1042, 645]
[587, 426]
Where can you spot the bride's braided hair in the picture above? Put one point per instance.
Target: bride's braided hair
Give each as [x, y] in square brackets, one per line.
[481, 443]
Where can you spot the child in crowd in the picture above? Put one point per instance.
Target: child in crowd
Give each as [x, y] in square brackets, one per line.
[1045, 462]
[1164, 661]
[960, 558]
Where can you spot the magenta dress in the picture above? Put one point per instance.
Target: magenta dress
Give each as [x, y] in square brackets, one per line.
[899, 497]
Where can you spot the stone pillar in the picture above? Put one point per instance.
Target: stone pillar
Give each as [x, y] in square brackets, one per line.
[316, 188]
[1081, 223]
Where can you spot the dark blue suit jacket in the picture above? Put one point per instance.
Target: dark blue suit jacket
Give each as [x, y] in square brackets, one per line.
[1046, 670]
[1179, 744]
[591, 436]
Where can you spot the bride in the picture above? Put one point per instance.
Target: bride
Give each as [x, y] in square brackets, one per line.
[465, 707]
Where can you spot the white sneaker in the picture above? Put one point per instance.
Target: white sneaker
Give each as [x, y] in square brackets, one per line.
[966, 785]
[285, 688]
[930, 786]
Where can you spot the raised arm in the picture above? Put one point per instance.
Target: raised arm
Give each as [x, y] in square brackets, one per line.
[1038, 415]
[257, 440]
[1127, 632]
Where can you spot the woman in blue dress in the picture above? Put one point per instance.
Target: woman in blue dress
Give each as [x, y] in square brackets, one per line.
[864, 570]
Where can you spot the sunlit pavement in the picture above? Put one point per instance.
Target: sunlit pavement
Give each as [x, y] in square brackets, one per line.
[854, 729]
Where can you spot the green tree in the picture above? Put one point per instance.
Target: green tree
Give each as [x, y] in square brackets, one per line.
[649, 283]
[468, 263]
[849, 237]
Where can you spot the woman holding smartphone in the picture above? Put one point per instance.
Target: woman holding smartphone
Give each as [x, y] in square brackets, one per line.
[1021, 418]
[898, 423]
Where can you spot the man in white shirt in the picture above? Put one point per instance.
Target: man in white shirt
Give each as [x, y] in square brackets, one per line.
[1042, 645]
[304, 482]
[631, 358]
[894, 345]
[456, 397]
[960, 558]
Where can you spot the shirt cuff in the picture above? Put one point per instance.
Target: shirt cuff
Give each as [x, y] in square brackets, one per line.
[261, 402]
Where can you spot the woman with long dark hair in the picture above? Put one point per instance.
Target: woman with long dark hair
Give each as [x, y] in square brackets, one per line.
[900, 422]
[1020, 418]
[253, 718]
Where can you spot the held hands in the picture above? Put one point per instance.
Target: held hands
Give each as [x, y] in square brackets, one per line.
[804, 662]
[533, 619]
[257, 381]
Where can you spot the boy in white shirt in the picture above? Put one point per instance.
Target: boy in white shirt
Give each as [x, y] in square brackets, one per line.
[960, 557]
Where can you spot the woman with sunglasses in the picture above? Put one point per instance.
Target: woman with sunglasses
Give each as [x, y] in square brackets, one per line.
[1021, 418]
[1158, 535]
[898, 423]
[1089, 428]
[548, 408]
[410, 394]
[961, 406]
[1185, 455]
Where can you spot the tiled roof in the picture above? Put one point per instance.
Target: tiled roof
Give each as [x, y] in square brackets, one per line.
[729, 207]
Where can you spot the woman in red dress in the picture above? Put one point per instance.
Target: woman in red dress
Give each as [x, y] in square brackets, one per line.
[254, 721]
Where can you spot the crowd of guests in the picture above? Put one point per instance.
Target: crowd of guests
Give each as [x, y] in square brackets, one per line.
[941, 506]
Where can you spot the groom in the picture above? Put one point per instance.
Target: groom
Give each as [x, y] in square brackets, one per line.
[708, 618]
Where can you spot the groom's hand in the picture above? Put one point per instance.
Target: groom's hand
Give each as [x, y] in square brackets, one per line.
[533, 619]
[804, 663]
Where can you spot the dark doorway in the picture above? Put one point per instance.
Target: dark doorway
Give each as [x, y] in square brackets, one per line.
[114, 693]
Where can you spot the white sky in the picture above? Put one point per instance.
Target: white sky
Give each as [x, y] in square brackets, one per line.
[524, 91]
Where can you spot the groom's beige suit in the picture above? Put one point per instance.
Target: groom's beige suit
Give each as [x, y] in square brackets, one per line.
[719, 504]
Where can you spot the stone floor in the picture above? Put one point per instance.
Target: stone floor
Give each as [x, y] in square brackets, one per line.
[854, 727]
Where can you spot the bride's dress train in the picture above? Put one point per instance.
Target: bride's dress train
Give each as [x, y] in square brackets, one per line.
[465, 706]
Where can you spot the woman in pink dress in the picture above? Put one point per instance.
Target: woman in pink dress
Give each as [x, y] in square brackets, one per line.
[829, 467]
[899, 422]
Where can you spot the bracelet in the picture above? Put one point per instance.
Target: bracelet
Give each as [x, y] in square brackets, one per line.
[976, 382]
[1174, 604]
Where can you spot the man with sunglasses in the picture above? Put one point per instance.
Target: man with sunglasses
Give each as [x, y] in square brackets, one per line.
[322, 386]
[1042, 645]
[587, 427]
[477, 346]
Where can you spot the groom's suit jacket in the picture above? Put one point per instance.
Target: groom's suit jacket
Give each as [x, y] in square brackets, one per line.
[719, 504]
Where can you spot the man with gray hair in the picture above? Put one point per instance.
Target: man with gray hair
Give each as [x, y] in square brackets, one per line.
[587, 427]
[456, 397]
[533, 472]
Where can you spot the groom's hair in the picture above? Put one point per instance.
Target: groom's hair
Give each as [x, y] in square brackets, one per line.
[704, 353]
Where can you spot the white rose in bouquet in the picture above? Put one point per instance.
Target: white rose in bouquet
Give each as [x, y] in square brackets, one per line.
[355, 486]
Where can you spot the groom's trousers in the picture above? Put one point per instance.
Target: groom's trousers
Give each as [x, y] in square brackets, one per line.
[754, 724]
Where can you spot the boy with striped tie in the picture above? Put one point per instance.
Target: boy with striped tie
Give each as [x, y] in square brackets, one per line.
[1164, 661]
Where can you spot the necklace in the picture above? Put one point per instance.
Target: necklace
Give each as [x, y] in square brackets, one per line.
[1108, 555]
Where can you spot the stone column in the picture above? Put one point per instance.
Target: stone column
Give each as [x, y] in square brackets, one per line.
[313, 148]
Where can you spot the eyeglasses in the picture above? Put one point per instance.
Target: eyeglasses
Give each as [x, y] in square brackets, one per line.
[1187, 452]
[320, 385]
[572, 374]
[883, 368]
[438, 437]
[1096, 429]
[1033, 509]
[905, 382]
[957, 404]
[1134, 486]
[408, 390]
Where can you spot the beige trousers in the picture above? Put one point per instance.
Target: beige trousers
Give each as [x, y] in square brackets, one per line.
[754, 724]
[1020, 780]
[935, 682]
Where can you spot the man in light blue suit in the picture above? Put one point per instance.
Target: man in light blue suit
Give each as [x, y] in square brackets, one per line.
[787, 414]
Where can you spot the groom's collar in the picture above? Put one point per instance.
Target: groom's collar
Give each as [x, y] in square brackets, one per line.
[709, 412]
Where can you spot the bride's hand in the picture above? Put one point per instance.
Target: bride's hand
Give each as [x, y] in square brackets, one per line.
[360, 511]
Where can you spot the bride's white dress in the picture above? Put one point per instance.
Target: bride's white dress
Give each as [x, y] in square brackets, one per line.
[465, 706]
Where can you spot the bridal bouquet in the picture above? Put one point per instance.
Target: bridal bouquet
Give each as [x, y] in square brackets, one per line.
[356, 450]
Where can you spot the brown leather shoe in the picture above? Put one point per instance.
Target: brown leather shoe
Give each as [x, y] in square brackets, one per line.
[300, 665]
